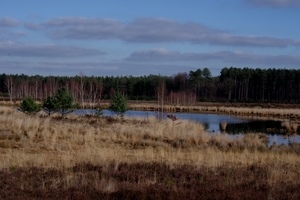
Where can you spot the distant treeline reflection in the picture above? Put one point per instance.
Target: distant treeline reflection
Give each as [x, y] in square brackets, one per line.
[269, 126]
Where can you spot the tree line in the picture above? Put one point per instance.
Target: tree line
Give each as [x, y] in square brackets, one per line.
[184, 88]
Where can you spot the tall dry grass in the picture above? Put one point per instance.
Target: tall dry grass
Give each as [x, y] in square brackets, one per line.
[38, 145]
[55, 142]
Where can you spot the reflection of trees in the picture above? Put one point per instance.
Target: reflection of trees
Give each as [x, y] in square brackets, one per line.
[269, 126]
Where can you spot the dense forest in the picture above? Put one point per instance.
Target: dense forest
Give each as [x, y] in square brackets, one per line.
[233, 84]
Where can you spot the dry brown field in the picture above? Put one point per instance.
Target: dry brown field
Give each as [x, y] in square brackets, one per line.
[85, 157]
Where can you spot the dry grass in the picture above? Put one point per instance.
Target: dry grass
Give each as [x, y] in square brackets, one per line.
[262, 112]
[223, 126]
[54, 157]
[241, 111]
[10, 103]
[60, 143]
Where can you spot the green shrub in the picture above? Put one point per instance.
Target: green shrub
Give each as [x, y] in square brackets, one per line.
[98, 111]
[64, 101]
[118, 104]
[50, 105]
[29, 106]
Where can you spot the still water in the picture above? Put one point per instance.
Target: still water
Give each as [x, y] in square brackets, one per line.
[235, 126]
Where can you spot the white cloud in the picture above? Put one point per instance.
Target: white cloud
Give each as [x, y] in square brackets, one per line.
[8, 22]
[234, 57]
[156, 54]
[9, 48]
[150, 30]
[153, 61]
[69, 68]
[19, 33]
[32, 26]
[83, 28]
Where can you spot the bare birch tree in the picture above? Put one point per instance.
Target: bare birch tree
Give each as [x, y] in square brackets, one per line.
[9, 85]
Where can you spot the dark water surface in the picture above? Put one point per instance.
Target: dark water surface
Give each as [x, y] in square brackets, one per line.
[235, 126]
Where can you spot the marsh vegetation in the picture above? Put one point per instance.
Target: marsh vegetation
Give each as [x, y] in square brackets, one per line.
[108, 157]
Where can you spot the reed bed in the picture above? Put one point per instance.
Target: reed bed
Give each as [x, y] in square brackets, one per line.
[241, 111]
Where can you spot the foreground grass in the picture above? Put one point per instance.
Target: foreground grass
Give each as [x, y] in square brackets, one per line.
[145, 181]
[113, 158]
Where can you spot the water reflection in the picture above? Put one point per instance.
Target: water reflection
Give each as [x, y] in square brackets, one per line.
[261, 126]
[215, 123]
[211, 122]
[278, 132]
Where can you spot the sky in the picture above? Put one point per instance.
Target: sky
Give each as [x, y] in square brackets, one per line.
[138, 37]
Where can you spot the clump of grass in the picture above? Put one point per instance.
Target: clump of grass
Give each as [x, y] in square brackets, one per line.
[294, 127]
[255, 141]
[223, 126]
[286, 125]
[289, 127]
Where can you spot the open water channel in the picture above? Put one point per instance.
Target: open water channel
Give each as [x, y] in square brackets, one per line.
[235, 126]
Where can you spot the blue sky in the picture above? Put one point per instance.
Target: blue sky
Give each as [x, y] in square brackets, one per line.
[137, 37]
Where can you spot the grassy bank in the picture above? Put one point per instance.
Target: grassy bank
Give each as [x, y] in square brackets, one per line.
[138, 157]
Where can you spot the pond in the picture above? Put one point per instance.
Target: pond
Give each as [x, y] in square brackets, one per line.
[235, 126]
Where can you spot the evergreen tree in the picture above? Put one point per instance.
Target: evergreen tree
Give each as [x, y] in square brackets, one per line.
[50, 105]
[64, 101]
[118, 104]
[195, 78]
[29, 106]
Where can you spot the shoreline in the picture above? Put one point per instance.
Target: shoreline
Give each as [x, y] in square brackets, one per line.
[246, 110]
[282, 112]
